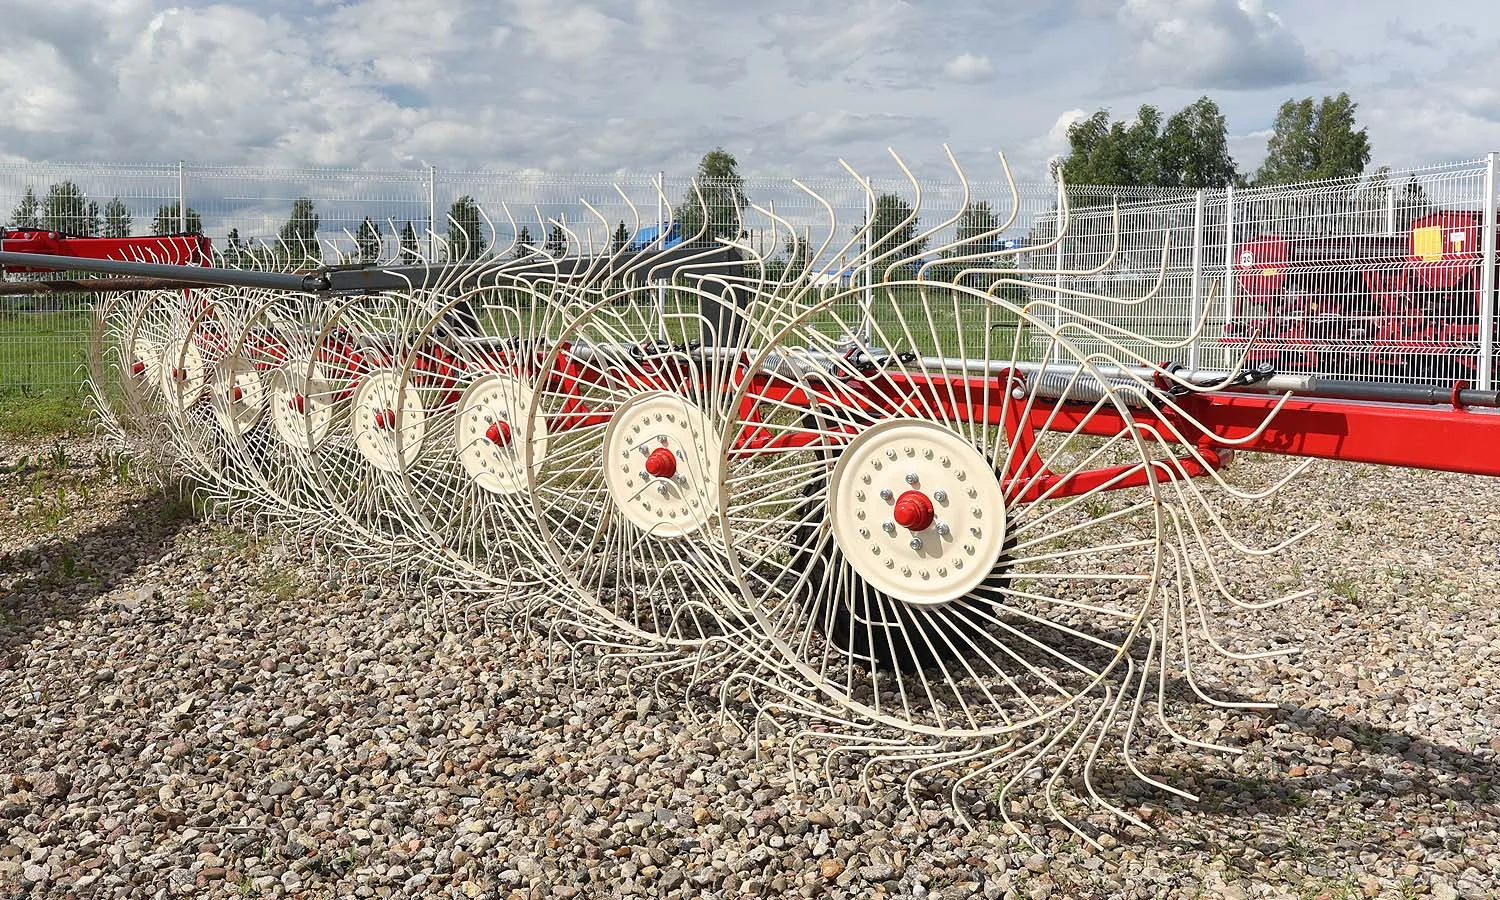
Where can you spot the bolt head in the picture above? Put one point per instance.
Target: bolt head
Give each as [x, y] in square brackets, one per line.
[916, 543]
[860, 496]
[906, 570]
[912, 479]
[889, 527]
[886, 495]
[661, 489]
[940, 496]
[890, 454]
[943, 529]
[864, 532]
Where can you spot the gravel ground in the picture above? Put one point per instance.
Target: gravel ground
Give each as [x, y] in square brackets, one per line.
[187, 712]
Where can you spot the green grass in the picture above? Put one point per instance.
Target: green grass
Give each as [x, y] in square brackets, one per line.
[42, 358]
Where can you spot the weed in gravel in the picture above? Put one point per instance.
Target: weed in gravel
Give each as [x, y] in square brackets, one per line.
[1346, 588]
[279, 584]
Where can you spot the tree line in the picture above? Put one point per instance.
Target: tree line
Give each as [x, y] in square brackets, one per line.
[1311, 140]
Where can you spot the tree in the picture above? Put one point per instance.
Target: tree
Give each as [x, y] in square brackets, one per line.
[409, 252]
[235, 252]
[717, 214]
[117, 220]
[620, 239]
[1193, 149]
[1315, 141]
[1190, 151]
[523, 244]
[26, 214]
[300, 233]
[67, 209]
[557, 241]
[168, 221]
[975, 233]
[894, 226]
[369, 241]
[1105, 152]
[798, 254]
[465, 229]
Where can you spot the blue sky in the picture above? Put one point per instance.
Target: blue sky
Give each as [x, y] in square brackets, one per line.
[641, 85]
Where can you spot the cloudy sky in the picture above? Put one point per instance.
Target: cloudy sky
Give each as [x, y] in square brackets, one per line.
[641, 85]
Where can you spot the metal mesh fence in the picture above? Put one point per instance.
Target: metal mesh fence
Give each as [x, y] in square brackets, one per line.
[1389, 276]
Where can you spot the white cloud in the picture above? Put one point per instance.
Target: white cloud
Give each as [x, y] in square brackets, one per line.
[969, 68]
[574, 34]
[642, 85]
[834, 42]
[1223, 44]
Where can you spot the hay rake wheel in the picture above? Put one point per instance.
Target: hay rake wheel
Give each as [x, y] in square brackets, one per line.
[468, 488]
[626, 491]
[925, 576]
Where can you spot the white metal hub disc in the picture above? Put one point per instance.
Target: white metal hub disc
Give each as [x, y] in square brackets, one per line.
[387, 420]
[657, 465]
[241, 395]
[182, 374]
[492, 432]
[145, 360]
[303, 406]
[917, 511]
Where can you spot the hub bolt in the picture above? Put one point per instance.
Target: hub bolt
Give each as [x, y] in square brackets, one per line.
[912, 479]
[886, 495]
[940, 496]
[916, 543]
[943, 530]
[889, 527]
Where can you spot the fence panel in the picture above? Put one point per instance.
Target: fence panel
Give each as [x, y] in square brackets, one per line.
[1390, 276]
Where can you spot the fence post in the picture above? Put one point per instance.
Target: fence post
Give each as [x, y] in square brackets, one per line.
[1195, 300]
[432, 213]
[867, 314]
[1228, 265]
[182, 196]
[1390, 207]
[1487, 280]
[661, 244]
[1057, 258]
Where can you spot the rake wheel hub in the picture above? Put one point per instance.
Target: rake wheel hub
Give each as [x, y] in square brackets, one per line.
[888, 526]
[491, 433]
[304, 402]
[242, 402]
[661, 463]
[913, 511]
[185, 380]
[660, 470]
[380, 401]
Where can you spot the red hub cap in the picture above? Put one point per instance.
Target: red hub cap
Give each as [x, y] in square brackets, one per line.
[298, 403]
[499, 434]
[661, 463]
[139, 368]
[385, 418]
[913, 511]
[179, 374]
[238, 393]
